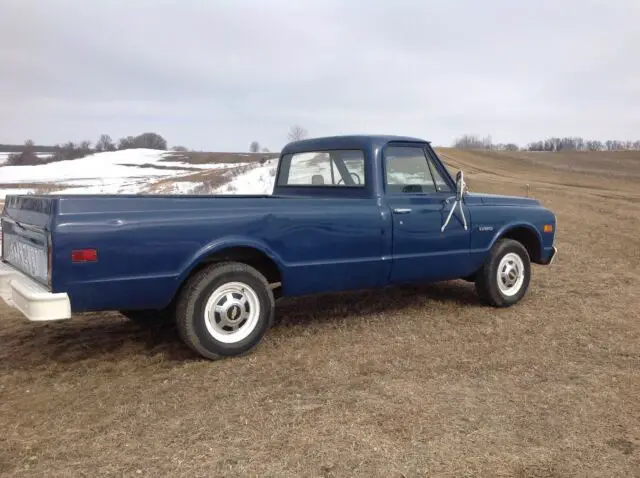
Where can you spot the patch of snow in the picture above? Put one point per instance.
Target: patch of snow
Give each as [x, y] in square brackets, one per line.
[259, 180]
[114, 172]
[118, 172]
[96, 166]
[108, 186]
[182, 187]
[5, 192]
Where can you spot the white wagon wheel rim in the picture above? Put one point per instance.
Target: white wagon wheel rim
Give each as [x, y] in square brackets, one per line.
[510, 274]
[232, 312]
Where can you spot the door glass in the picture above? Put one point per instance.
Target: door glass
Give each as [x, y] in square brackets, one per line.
[407, 170]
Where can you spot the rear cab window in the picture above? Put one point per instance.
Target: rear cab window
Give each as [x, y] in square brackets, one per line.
[336, 168]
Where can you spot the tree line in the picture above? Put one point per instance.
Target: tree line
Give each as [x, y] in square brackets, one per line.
[28, 153]
[554, 144]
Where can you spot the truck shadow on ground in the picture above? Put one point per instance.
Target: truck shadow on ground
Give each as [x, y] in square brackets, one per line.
[109, 336]
[330, 307]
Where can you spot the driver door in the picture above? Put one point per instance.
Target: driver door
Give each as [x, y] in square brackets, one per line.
[420, 200]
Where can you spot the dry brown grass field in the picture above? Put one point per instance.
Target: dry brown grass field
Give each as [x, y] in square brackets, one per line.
[195, 157]
[420, 381]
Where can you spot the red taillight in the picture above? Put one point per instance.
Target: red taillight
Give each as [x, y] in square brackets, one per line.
[84, 255]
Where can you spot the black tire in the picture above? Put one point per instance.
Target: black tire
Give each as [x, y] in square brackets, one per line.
[487, 285]
[149, 317]
[191, 305]
[277, 293]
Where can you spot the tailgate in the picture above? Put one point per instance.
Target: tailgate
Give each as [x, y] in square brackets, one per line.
[26, 239]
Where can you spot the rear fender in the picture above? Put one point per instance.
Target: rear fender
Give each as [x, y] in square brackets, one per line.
[220, 245]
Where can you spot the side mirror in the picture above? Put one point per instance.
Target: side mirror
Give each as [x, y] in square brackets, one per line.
[461, 186]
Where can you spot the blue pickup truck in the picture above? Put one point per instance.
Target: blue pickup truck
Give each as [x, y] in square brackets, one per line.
[347, 212]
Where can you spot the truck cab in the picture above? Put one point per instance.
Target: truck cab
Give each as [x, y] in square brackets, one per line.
[436, 229]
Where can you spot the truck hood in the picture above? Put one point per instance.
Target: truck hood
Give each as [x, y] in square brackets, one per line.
[500, 200]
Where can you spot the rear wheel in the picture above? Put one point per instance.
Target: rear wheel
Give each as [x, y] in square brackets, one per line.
[225, 310]
[505, 276]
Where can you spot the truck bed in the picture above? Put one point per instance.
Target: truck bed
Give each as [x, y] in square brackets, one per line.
[318, 243]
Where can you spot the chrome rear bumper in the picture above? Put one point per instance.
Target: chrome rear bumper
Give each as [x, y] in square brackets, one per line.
[31, 298]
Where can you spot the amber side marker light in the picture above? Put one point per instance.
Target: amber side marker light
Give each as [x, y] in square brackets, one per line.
[548, 228]
[84, 255]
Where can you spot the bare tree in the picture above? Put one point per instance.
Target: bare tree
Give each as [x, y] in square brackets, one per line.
[26, 157]
[144, 140]
[594, 145]
[150, 141]
[552, 145]
[126, 142]
[71, 150]
[29, 145]
[254, 147]
[180, 149]
[297, 132]
[471, 141]
[105, 143]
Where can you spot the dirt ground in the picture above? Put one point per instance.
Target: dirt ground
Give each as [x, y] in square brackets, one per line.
[421, 381]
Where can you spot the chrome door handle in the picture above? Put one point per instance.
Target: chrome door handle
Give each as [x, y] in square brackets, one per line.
[402, 210]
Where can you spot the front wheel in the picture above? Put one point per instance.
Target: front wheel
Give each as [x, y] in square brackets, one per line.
[225, 310]
[505, 276]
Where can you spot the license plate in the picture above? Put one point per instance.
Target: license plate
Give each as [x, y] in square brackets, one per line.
[30, 259]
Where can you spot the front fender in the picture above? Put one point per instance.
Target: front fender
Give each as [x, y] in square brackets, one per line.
[527, 234]
[228, 242]
[505, 229]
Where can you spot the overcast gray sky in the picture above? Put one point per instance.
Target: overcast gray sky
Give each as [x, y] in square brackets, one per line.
[217, 74]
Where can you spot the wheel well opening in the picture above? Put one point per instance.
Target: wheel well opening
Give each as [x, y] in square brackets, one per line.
[528, 239]
[247, 255]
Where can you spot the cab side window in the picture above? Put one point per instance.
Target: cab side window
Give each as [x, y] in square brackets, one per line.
[408, 170]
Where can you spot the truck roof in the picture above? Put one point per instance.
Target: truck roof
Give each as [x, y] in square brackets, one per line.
[363, 141]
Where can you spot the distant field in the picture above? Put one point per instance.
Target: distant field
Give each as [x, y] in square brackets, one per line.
[209, 158]
[420, 381]
[605, 174]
